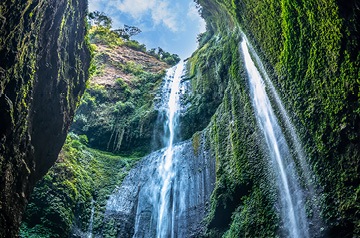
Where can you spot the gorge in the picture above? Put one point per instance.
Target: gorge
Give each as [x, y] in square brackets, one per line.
[257, 134]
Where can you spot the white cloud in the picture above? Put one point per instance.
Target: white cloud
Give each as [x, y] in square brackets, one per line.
[171, 24]
[160, 11]
[193, 11]
[136, 8]
[94, 5]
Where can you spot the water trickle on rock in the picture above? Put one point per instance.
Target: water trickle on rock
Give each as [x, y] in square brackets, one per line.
[91, 222]
[295, 223]
[309, 189]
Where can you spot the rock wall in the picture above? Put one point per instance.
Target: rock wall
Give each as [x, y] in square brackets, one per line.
[131, 211]
[311, 52]
[244, 195]
[43, 68]
[117, 112]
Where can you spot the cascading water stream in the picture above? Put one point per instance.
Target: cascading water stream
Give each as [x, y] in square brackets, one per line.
[316, 225]
[165, 169]
[292, 204]
[296, 141]
[167, 194]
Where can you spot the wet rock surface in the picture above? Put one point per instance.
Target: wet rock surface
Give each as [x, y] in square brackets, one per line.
[132, 208]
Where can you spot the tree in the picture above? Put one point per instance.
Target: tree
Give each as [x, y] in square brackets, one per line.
[152, 52]
[100, 19]
[171, 59]
[160, 52]
[127, 32]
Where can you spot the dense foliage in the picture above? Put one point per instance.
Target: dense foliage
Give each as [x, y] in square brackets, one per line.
[44, 61]
[159, 53]
[240, 203]
[63, 197]
[311, 52]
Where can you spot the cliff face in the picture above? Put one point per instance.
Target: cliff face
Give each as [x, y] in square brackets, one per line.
[43, 68]
[311, 53]
[244, 195]
[129, 208]
[118, 110]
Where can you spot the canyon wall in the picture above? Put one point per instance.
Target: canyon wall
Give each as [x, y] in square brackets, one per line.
[43, 68]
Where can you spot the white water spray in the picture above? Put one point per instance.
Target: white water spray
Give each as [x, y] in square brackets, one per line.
[292, 204]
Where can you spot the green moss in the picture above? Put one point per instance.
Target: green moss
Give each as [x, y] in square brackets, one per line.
[252, 218]
[310, 50]
[318, 76]
[219, 90]
[196, 140]
[62, 198]
[112, 117]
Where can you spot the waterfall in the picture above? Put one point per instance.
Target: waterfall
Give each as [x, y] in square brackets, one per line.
[167, 193]
[295, 223]
[172, 202]
[316, 225]
[166, 168]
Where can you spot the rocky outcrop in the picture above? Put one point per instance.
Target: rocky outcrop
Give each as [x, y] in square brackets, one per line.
[43, 67]
[310, 50]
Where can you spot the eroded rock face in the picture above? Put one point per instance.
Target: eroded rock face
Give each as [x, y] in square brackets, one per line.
[44, 63]
[123, 117]
[133, 208]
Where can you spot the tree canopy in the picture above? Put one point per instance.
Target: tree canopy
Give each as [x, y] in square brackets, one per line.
[127, 31]
[100, 19]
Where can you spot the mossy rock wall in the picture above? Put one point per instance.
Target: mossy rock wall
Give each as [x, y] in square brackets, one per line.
[117, 115]
[80, 181]
[118, 112]
[243, 198]
[311, 53]
[43, 67]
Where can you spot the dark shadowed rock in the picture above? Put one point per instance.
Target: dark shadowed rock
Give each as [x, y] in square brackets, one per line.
[44, 63]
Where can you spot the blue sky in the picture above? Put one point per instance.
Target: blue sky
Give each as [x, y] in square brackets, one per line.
[172, 25]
